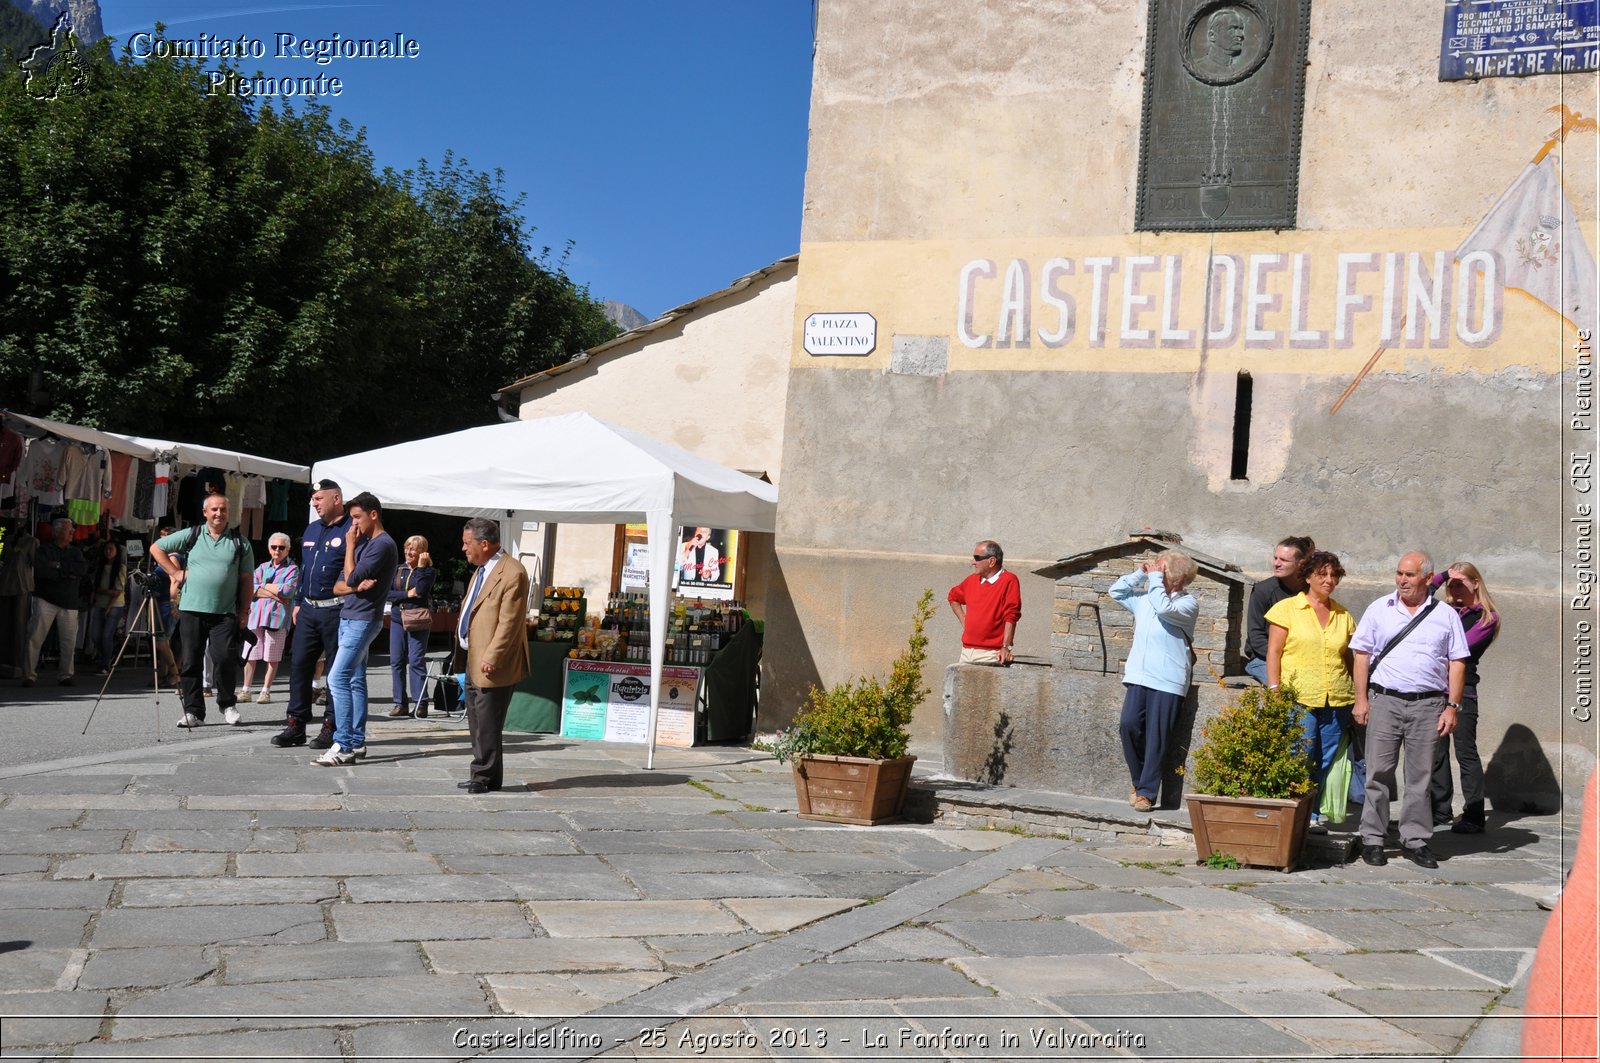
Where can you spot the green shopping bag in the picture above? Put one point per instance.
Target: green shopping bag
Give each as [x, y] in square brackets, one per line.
[1336, 787]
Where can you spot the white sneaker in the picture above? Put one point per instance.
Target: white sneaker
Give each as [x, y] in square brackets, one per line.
[1549, 903]
[333, 758]
[230, 716]
[190, 720]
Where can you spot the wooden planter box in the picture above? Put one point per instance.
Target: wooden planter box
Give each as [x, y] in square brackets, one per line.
[851, 789]
[1259, 831]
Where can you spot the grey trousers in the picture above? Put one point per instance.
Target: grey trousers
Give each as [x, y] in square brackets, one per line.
[1391, 723]
[486, 720]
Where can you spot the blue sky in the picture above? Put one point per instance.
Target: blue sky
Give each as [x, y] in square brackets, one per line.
[666, 140]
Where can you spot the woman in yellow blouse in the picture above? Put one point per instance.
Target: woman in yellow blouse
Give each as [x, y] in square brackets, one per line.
[1308, 646]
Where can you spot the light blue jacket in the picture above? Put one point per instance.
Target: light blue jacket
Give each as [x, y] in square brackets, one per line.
[1163, 631]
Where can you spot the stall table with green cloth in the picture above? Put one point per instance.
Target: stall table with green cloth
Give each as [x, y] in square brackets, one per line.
[727, 688]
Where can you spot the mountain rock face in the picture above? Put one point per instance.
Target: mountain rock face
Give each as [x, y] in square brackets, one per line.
[85, 16]
[623, 316]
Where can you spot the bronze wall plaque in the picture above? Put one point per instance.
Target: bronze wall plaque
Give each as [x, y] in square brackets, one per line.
[1219, 142]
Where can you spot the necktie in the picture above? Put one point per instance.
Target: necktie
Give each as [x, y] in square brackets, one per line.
[466, 606]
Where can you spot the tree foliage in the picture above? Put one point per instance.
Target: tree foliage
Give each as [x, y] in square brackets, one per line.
[182, 263]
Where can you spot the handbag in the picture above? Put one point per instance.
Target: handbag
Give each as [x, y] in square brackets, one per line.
[416, 618]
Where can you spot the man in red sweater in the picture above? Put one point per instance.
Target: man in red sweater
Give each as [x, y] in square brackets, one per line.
[988, 603]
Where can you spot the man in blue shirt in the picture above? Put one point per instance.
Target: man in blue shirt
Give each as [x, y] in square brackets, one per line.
[371, 558]
[316, 613]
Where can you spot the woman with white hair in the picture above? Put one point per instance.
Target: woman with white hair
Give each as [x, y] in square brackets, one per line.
[1157, 672]
[277, 581]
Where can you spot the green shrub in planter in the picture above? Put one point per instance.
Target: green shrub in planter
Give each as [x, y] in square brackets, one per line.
[1254, 748]
[862, 717]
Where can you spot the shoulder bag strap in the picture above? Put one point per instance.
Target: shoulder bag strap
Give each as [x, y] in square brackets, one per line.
[1392, 643]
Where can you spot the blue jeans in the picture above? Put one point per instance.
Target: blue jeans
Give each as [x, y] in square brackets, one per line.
[1256, 668]
[347, 682]
[103, 623]
[407, 654]
[1324, 729]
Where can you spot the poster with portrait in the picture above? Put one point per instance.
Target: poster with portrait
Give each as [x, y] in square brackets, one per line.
[706, 561]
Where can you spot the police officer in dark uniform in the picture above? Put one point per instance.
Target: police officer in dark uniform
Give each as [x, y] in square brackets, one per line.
[316, 620]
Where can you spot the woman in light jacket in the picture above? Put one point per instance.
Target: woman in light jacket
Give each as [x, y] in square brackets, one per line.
[1157, 672]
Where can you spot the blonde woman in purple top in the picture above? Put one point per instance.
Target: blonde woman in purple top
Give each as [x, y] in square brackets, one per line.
[1468, 595]
[277, 581]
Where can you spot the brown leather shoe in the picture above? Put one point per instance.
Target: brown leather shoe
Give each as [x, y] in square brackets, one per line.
[399, 710]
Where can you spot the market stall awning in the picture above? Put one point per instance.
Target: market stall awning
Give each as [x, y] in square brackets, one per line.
[150, 449]
[573, 468]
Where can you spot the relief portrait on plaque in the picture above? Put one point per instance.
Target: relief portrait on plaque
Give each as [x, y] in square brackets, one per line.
[1226, 42]
[1219, 140]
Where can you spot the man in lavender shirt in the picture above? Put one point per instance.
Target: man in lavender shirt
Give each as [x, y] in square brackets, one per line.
[1410, 698]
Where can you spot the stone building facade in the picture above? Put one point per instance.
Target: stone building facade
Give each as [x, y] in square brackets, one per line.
[1049, 374]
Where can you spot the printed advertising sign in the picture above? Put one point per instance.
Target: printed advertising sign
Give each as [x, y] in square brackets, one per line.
[610, 701]
[707, 561]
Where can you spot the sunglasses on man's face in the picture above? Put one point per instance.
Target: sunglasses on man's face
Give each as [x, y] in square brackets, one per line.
[980, 557]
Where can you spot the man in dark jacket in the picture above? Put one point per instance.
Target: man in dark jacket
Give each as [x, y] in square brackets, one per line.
[59, 569]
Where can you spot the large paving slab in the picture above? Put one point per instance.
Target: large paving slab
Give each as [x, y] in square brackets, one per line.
[1443, 1018]
[1183, 1025]
[268, 1005]
[1329, 1025]
[49, 894]
[339, 865]
[1041, 937]
[429, 920]
[220, 924]
[146, 967]
[332, 960]
[182, 892]
[1239, 970]
[255, 1045]
[541, 955]
[633, 918]
[1049, 976]
[865, 981]
[49, 1018]
[1396, 970]
[776, 915]
[1208, 932]
[43, 928]
[143, 865]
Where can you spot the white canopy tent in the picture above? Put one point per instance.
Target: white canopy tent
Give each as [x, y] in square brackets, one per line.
[572, 468]
[149, 449]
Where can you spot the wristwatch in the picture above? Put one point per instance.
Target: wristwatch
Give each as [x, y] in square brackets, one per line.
[1453, 705]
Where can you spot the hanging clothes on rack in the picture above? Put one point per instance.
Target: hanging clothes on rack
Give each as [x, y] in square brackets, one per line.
[39, 476]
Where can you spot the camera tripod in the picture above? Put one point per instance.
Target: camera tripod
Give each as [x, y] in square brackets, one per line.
[146, 623]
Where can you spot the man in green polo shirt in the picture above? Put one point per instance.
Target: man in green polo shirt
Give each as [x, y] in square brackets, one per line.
[213, 589]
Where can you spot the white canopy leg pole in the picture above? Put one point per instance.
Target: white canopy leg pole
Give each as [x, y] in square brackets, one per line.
[662, 530]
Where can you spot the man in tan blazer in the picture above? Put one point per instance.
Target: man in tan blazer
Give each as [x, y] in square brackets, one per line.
[492, 644]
